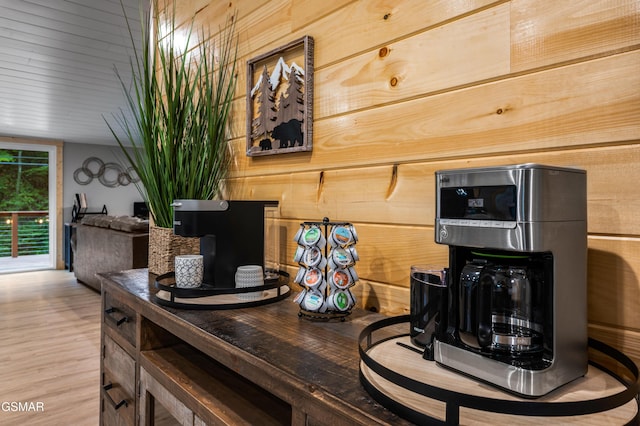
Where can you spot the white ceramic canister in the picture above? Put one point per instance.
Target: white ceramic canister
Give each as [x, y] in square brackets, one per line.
[249, 276]
[189, 270]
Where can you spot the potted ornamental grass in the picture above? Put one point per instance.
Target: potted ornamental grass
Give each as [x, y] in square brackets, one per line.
[179, 106]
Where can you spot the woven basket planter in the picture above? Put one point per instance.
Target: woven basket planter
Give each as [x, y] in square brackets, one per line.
[164, 246]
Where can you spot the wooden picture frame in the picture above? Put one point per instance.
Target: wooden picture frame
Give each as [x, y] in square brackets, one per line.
[279, 107]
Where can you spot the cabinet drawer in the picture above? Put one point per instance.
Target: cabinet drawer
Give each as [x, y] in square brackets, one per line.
[118, 385]
[120, 317]
[117, 417]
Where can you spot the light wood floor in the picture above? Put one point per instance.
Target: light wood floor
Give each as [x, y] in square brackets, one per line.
[49, 349]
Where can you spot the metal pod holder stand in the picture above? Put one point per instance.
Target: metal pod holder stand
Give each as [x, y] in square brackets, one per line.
[326, 255]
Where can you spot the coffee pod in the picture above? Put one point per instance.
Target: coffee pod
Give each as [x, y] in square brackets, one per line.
[300, 275]
[298, 235]
[354, 234]
[313, 278]
[340, 300]
[339, 278]
[354, 275]
[313, 301]
[340, 258]
[354, 253]
[313, 258]
[342, 236]
[300, 296]
[297, 257]
[342, 278]
[312, 236]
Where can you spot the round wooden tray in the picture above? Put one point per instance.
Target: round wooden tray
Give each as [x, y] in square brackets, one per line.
[209, 297]
[446, 397]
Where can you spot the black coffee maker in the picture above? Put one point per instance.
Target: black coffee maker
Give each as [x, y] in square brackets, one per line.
[516, 311]
[232, 233]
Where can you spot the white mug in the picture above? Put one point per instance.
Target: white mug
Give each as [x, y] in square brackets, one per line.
[189, 270]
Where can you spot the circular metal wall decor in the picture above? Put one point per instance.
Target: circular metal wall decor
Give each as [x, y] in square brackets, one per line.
[110, 175]
[82, 181]
[87, 170]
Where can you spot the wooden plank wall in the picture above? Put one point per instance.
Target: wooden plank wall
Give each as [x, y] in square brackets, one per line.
[405, 88]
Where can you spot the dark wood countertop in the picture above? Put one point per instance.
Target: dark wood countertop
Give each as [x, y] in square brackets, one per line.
[314, 365]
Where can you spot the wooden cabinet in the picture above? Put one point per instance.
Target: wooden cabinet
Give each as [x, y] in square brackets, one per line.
[158, 406]
[164, 366]
[192, 387]
[118, 384]
[120, 319]
[260, 366]
[117, 364]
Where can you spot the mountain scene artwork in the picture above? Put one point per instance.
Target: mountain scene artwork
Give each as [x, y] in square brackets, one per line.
[279, 119]
[277, 106]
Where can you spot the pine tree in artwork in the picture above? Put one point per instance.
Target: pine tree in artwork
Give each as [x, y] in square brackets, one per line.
[298, 89]
[263, 123]
[289, 131]
[283, 108]
[293, 105]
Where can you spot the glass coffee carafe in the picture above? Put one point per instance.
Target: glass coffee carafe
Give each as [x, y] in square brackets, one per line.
[507, 320]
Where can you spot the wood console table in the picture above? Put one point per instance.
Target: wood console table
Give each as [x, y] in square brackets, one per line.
[264, 365]
[260, 365]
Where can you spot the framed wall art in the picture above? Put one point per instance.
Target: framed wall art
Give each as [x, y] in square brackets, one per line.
[280, 100]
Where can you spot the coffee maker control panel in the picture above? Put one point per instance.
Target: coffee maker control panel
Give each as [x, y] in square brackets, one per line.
[498, 197]
[497, 206]
[473, 204]
[481, 223]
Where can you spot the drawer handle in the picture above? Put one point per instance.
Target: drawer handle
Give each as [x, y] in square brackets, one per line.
[118, 322]
[115, 405]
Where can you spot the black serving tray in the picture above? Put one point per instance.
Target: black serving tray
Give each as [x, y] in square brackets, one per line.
[210, 297]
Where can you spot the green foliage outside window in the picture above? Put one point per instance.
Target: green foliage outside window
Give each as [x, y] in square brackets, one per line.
[24, 177]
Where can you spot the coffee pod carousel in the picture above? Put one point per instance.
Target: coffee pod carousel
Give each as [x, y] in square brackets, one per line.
[326, 255]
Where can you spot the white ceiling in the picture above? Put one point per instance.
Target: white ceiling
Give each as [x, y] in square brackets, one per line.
[57, 60]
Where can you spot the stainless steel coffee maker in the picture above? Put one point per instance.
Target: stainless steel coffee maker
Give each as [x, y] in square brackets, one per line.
[516, 315]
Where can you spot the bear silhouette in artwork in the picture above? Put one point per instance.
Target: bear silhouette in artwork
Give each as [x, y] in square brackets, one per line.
[288, 133]
[265, 144]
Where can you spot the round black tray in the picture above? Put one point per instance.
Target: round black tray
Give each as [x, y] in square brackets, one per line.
[166, 283]
[454, 400]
